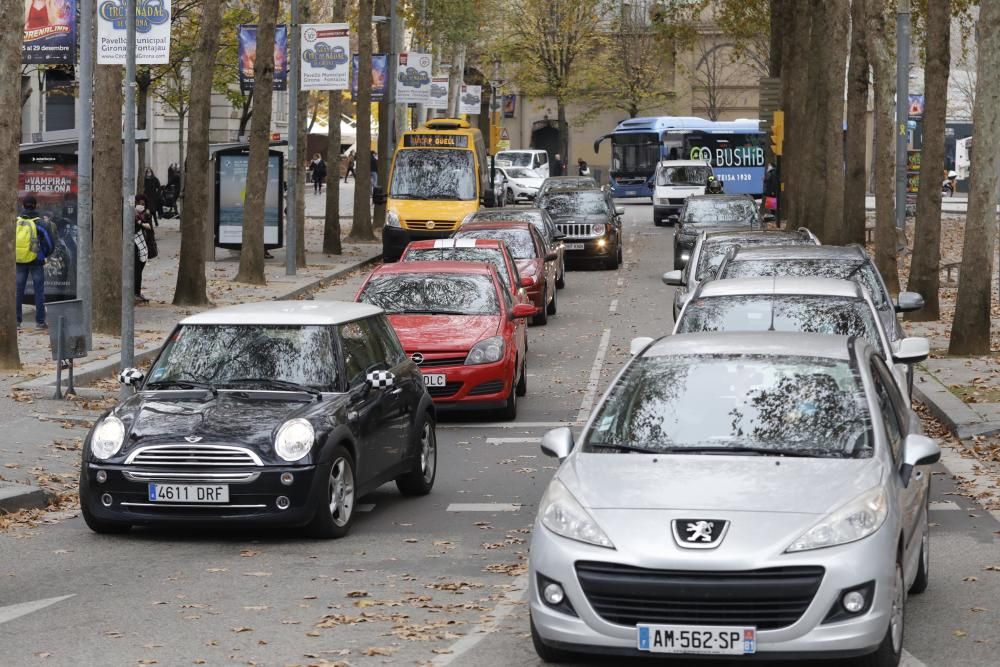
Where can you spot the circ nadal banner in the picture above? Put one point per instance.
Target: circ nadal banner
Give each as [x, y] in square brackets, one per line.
[326, 59]
[413, 78]
[152, 32]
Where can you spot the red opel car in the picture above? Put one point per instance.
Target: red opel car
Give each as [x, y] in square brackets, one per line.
[457, 322]
[488, 251]
[535, 259]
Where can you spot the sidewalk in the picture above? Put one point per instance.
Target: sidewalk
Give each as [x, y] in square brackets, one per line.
[43, 436]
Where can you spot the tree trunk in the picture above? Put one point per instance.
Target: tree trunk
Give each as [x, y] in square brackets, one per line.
[361, 229]
[456, 77]
[331, 222]
[829, 43]
[881, 36]
[107, 260]
[191, 280]
[970, 331]
[252, 250]
[11, 23]
[796, 89]
[855, 144]
[385, 121]
[305, 14]
[181, 144]
[924, 266]
[246, 113]
[563, 127]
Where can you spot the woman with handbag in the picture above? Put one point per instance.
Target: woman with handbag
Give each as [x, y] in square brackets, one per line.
[144, 242]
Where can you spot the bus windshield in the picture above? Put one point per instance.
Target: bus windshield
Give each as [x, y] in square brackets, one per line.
[433, 173]
[634, 153]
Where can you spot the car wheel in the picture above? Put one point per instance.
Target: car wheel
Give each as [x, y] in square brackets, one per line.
[542, 318]
[621, 259]
[924, 567]
[561, 278]
[522, 384]
[548, 653]
[551, 308]
[335, 511]
[509, 411]
[890, 650]
[420, 480]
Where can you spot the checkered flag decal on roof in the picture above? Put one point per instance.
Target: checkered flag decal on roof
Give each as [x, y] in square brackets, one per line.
[130, 376]
[381, 378]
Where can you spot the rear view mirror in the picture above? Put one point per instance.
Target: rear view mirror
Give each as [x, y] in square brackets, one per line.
[909, 301]
[523, 310]
[559, 237]
[527, 281]
[918, 450]
[639, 344]
[558, 442]
[131, 377]
[619, 210]
[379, 379]
[911, 350]
[673, 278]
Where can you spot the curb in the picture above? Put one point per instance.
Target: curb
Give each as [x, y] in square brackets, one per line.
[959, 418]
[103, 368]
[14, 497]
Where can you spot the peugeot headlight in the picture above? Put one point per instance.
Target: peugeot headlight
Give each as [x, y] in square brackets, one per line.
[598, 229]
[107, 438]
[561, 513]
[392, 219]
[851, 522]
[485, 351]
[294, 439]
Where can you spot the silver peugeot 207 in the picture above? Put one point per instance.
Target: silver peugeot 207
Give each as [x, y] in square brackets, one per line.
[734, 494]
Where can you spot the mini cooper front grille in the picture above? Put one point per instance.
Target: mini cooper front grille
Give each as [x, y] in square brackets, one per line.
[768, 599]
[449, 389]
[491, 387]
[576, 229]
[193, 455]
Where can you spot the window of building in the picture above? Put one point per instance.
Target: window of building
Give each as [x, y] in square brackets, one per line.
[60, 100]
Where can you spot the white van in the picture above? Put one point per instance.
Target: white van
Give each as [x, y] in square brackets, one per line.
[674, 182]
[536, 160]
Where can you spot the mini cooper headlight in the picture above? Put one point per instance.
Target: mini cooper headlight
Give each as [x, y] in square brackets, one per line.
[485, 351]
[392, 219]
[561, 513]
[851, 522]
[598, 229]
[107, 438]
[294, 439]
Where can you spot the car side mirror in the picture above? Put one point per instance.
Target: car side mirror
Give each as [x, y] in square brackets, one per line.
[911, 350]
[527, 281]
[918, 450]
[619, 210]
[558, 442]
[523, 310]
[551, 257]
[380, 379]
[378, 196]
[559, 237]
[673, 278]
[131, 377]
[639, 344]
[909, 301]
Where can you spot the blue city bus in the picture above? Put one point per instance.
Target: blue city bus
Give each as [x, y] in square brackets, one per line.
[735, 149]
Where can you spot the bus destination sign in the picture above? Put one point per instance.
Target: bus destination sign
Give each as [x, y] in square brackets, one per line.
[435, 141]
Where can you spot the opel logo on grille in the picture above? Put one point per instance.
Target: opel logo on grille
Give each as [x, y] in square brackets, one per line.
[193, 438]
[430, 224]
[699, 533]
[417, 358]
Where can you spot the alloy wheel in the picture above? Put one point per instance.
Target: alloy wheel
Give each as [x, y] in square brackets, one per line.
[428, 453]
[341, 491]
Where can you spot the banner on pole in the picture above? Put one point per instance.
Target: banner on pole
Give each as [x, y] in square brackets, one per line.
[380, 72]
[152, 32]
[470, 99]
[247, 39]
[413, 78]
[438, 99]
[49, 32]
[325, 60]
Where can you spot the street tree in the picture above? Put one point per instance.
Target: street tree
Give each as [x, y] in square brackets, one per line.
[970, 330]
[331, 219]
[453, 26]
[361, 227]
[191, 287]
[252, 247]
[11, 24]
[855, 141]
[925, 264]
[106, 311]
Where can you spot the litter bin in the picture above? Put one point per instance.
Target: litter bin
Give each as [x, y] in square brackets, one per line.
[67, 338]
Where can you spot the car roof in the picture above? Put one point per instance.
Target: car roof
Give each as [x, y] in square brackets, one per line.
[743, 233]
[718, 197]
[446, 266]
[800, 252]
[474, 225]
[285, 312]
[432, 244]
[766, 343]
[560, 188]
[786, 285]
[498, 213]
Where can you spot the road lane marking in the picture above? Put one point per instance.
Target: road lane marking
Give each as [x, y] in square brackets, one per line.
[943, 505]
[483, 507]
[907, 660]
[510, 602]
[507, 441]
[595, 377]
[10, 612]
[613, 307]
[621, 282]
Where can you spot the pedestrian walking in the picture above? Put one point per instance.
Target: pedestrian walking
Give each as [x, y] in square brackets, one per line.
[374, 169]
[318, 170]
[582, 168]
[144, 243]
[558, 166]
[152, 189]
[34, 241]
[172, 192]
[352, 167]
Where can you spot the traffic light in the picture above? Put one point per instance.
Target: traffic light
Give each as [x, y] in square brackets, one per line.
[777, 132]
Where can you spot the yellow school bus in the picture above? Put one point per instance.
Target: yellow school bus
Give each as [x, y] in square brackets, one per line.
[439, 175]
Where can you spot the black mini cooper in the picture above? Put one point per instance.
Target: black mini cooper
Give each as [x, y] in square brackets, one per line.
[265, 413]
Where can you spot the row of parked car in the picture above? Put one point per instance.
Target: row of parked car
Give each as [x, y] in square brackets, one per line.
[755, 483]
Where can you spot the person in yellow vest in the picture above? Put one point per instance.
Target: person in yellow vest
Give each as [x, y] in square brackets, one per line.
[34, 241]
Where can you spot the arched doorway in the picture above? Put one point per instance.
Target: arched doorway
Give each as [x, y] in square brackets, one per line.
[545, 136]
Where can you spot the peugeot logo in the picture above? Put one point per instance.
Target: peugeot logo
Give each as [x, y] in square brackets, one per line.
[417, 358]
[193, 438]
[699, 533]
[430, 224]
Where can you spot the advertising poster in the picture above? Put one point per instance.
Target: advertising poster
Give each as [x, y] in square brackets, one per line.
[247, 40]
[325, 61]
[380, 72]
[509, 106]
[152, 32]
[49, 32]
[470, 99]
[413, 78]
[231, 193]
[51, 178]
[439, 94]
[737, 159]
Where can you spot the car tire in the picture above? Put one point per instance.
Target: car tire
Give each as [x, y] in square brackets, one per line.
[551, 308]
[658, 221]
[101, 526]
[548, 653]
[890, 651]
[522, 383]
[922, 579]
[621, 257]
[561, 278]
[420, 480]
[509, 411]
[542, 318]
[335, 506]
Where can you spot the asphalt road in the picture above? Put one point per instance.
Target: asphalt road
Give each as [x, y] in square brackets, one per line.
[436, 580]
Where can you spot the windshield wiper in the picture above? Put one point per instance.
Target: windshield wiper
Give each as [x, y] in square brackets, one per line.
[762, 451]
[184, 384]
[623, 448]
[282, 384]
[408, 195]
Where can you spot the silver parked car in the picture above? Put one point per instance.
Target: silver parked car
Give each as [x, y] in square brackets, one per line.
[736, 494]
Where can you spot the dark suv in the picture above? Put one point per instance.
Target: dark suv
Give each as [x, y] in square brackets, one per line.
[709, 213]
[590, 222]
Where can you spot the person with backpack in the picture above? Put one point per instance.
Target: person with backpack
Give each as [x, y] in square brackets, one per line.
[34, 241]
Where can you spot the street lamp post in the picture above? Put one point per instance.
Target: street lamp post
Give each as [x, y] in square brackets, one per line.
[294, 180]
[128, 194]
